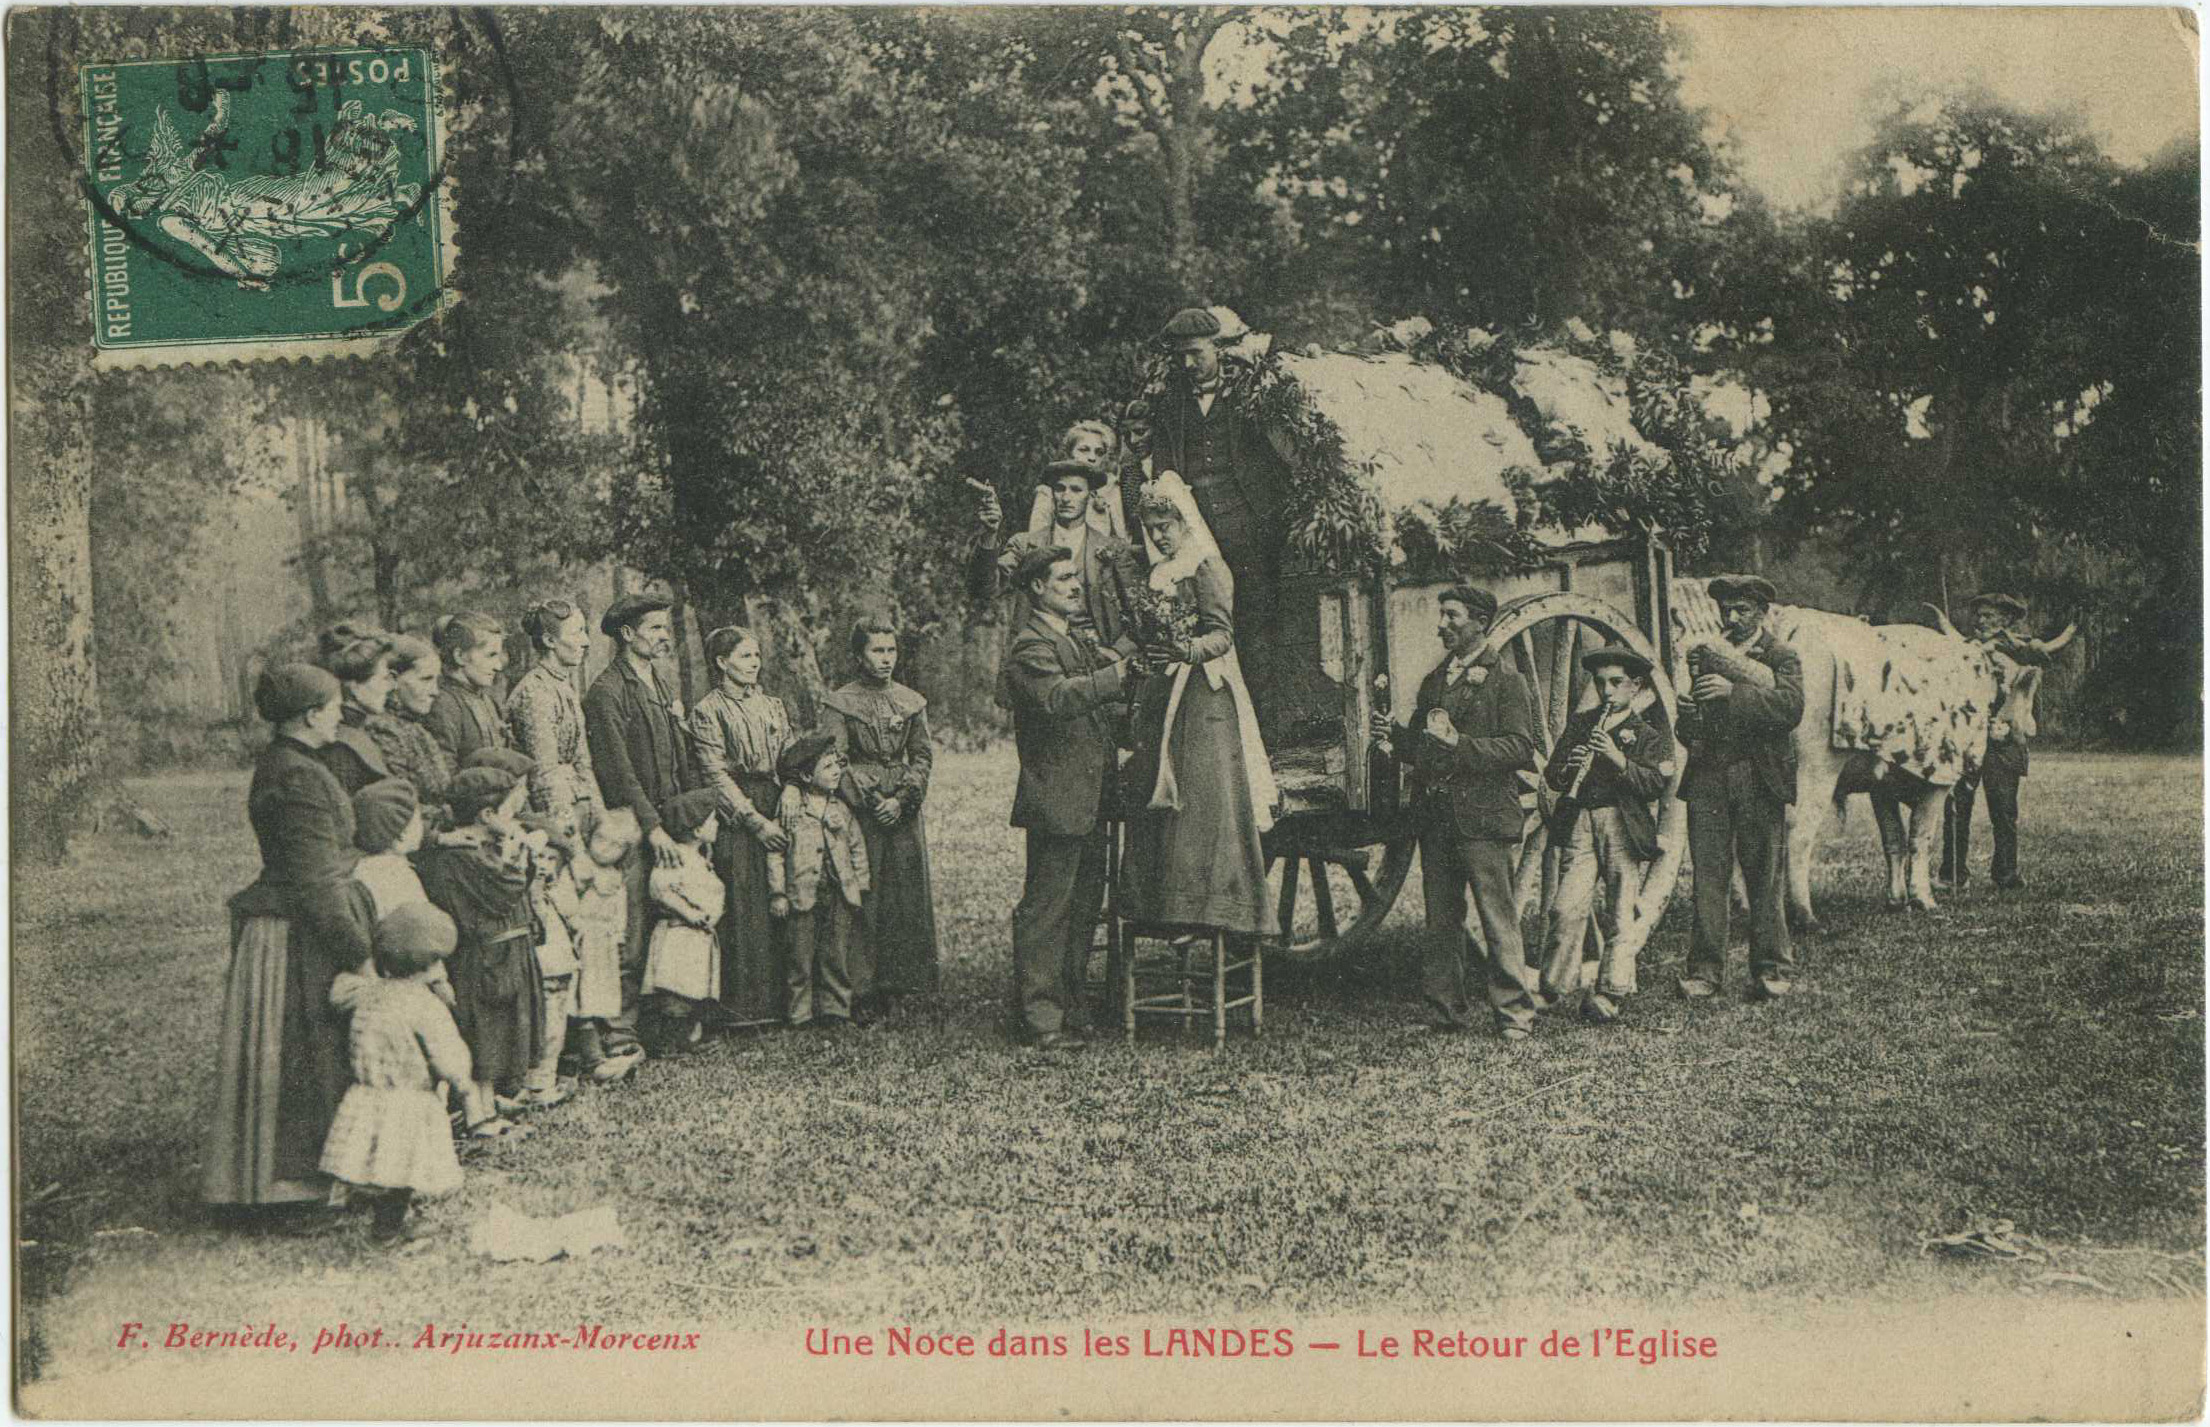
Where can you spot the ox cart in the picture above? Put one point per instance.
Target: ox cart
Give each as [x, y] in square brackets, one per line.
[1344, 644]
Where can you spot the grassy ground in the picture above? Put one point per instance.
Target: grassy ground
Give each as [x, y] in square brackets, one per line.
[2035, 1056]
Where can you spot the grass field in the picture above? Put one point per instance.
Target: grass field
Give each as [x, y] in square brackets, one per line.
[2034, 1056]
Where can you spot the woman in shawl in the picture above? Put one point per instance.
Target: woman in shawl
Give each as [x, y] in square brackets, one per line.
[738, 731]
[881, 727]
[545, 716]
[361, 658]
[402, 731]
[467, 715]
[1202, 790]
[305, 921]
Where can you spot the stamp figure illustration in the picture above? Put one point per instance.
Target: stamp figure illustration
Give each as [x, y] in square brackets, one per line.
[288, 204]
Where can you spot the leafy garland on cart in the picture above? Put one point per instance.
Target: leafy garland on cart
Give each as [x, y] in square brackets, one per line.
[1341, 524]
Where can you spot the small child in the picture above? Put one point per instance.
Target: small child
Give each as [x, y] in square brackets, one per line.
[484, 888]
[604, 1052]
[553, 902]
[388, 827]
[817, 883]
[389, 1137]
[683, 958]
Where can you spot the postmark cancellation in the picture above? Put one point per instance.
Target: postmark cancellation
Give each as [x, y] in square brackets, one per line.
[287, 204]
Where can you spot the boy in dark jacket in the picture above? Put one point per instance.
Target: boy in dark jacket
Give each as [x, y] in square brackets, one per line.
[1608, 765]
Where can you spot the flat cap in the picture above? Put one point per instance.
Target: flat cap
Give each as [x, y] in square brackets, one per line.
[474, 790]
[1036, 564]
[629, 609]
[797, 760]
[1740, 587]
[1619, 654]
[1189, 323]
[686, 813]
[1476, 600]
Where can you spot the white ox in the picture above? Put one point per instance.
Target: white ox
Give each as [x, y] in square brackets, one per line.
[1898, 712]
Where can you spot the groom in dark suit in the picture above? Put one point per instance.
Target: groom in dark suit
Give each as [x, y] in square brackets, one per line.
[1472, 732]
[1062, 685]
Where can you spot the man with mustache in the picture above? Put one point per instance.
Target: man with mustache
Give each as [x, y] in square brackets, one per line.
[1472, 732]
[1739, 783]
[641, 756]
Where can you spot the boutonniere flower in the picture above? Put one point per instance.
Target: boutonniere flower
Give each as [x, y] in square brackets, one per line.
[1478, 675]
[1625, 738]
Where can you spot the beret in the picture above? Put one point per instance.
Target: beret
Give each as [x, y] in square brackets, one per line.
[1477, 601]
[1736, 587]
[473, 790]
[414, 936]
[685, 813]
[381, 811]
[1189, 323]
[1635, 665]
[512, 762]
[1136, 410]
[2009, 604]
[288, 690]
[797, 761]
[1084, 469]
[629, 609]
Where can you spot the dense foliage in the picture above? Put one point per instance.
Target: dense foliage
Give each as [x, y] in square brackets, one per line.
[834, 263]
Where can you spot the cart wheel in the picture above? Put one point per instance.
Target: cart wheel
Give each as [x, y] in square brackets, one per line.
[1330, 899]
[1546, 635]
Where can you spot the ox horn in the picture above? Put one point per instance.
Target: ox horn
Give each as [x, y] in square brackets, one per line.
[2053, 645]
[1942, 617]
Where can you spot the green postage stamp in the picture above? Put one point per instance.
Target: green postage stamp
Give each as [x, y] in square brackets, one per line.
[286, 204]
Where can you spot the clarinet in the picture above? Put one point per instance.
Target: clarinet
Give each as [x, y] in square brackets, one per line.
[1589, 767]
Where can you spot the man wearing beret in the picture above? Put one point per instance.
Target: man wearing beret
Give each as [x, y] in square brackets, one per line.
[1241, 483]
[1063, 687]
[1739, 783]
[1994, 621]
[1472, 733]
[1608, 766]
[1103, 560]
[641, 756]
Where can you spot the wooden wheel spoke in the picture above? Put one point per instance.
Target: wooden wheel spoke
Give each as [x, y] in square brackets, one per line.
[1285, 910]
[1323, 899]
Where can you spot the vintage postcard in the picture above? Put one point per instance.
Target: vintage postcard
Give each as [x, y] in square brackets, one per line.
[1107, 713]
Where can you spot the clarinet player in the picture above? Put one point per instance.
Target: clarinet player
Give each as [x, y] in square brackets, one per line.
[1609, 765]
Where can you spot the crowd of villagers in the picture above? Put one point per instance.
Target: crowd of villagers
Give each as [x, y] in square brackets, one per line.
[478, 896]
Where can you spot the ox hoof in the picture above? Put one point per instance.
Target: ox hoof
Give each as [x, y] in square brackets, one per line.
[1807, 926]
[1898, 904]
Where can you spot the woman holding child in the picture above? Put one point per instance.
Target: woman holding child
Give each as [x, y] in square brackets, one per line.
[1201, 787]
[402, 731]
[361, 657]
[283, 1053]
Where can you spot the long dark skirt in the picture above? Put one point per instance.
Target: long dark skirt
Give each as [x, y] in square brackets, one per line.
[284, 1065]
[751, 940]
[899, 910]
[1201, 865]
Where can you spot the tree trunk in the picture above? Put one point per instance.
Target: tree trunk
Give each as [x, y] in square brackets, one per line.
[686, 668]
[307, 501]
[53, 699]
[792, 660]
[54, 704]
